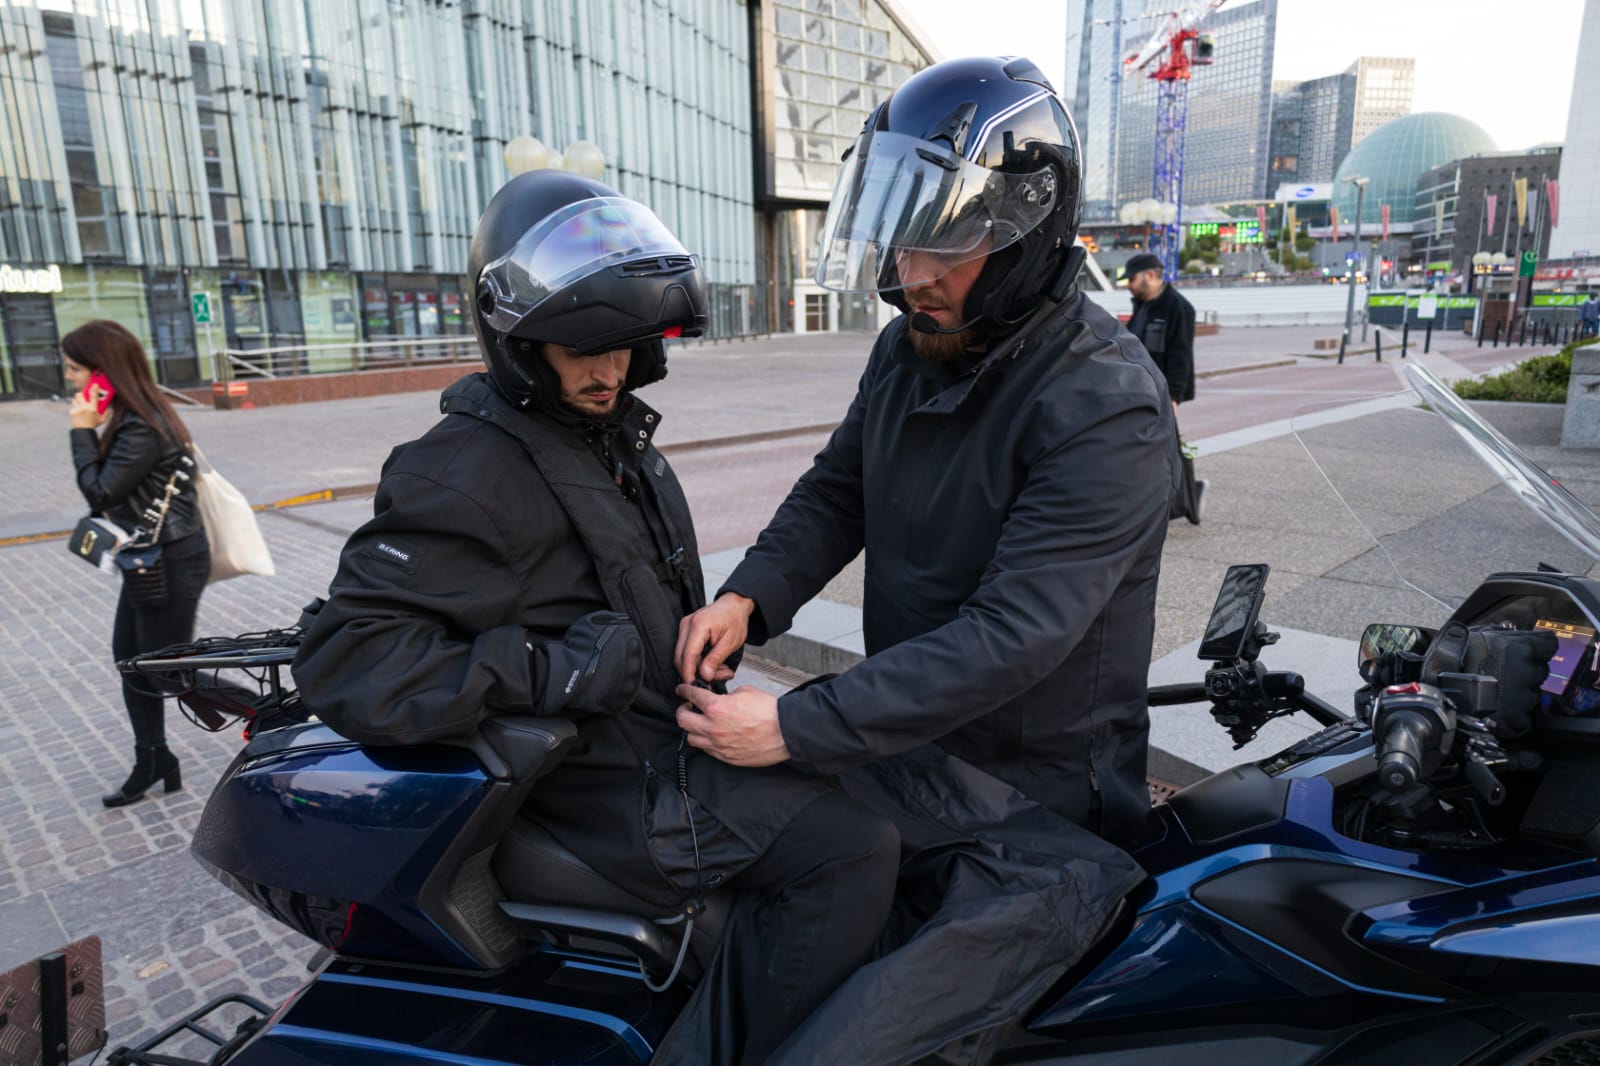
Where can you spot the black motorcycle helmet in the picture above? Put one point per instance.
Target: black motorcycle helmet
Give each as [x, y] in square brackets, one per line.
[562, 259]
[968, 157]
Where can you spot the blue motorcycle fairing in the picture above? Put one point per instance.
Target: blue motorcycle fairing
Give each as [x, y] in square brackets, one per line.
[1548, 915]
[281, 825]
[556, 1009]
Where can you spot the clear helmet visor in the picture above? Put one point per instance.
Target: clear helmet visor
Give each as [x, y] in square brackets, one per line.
[566, 245]
[908, 211]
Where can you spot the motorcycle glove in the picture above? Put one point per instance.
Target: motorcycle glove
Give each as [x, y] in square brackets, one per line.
[596, 668]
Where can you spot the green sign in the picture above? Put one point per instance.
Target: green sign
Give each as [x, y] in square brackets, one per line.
[1528, 263]
[1557, 299]
[1442, 302]
[202, 308]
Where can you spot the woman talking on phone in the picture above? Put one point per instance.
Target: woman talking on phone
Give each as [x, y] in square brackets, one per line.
[135, 473]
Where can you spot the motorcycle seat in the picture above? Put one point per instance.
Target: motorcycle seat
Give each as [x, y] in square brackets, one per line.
[544, 881]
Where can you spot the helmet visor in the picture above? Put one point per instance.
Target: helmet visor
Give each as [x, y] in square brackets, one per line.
[908, 211]
[562, 247]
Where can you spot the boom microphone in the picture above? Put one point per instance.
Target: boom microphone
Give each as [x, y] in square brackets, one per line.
[923, 322]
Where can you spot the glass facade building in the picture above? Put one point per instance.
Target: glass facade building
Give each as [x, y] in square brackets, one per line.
[1394, 157]
[1316, 123]
[318, 168]
[1230, 110]
[827, 64]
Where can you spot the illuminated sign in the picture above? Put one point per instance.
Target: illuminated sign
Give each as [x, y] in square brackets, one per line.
[1238, 233]
[13, 280]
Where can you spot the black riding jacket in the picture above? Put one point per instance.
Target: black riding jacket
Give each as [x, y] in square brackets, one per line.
[1012, 509]
[496, 530]
[1165, 326]
[132, 476]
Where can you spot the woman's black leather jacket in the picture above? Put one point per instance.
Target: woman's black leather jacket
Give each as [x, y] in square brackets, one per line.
[131, 477]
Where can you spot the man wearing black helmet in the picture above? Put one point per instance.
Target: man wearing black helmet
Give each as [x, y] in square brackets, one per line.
[533, 554]
[1006, 466]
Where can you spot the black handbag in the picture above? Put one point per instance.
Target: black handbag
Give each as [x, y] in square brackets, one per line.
[96, 540]
[137, 556]
[144, 575]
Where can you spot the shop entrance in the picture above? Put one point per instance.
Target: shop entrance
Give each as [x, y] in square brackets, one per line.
[30, 366]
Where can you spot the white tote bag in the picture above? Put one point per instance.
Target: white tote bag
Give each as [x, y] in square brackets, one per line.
[231, 530]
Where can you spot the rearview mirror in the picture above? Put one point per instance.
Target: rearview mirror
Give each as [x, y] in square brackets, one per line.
[1383, 638]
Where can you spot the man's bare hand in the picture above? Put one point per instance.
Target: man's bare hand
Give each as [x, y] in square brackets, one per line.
[707, 637]
[740, 728]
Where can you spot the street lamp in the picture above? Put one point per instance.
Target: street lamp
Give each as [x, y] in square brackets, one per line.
[1355, 253]
[526, 153]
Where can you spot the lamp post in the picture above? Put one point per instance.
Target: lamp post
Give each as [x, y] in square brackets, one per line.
[1355, 250]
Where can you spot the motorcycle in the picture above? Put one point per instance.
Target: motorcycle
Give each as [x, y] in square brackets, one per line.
[1416, 880]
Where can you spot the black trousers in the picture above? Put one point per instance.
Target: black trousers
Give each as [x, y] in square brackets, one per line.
[808, 914]
[188, 564]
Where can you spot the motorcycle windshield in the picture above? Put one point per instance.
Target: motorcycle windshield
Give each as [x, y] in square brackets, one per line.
[1442, 494]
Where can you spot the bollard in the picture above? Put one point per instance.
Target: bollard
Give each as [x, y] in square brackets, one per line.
[1427, 338]
[1377, 345]
[1405, 337]
[1497, 326]
[1481, 325]
[1522, 334]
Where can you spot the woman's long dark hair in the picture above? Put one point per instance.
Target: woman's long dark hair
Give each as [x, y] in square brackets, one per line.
[105, 346]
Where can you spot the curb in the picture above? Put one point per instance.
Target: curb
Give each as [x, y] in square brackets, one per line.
[1245, 368]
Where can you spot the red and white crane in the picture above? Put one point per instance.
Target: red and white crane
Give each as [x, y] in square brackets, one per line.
[1174, 49]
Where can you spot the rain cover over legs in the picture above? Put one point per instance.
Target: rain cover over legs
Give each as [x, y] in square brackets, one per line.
[998, 898]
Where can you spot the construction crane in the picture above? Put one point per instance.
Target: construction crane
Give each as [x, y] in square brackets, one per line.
[1175, 49]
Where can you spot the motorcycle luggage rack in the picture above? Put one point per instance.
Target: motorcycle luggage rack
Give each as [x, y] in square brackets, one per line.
[145, 1054]
[191, 673]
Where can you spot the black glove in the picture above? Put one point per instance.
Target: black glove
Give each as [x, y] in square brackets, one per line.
[597, 667]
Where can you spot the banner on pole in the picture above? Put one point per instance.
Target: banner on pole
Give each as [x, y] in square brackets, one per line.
[1489, 201]
[1521, 186]
[1333, 218]
[1438, 218]
[1551, 195]
[1261, 217]
[1384, 213]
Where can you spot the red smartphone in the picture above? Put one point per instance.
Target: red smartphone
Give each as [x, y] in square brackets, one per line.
[98, 380]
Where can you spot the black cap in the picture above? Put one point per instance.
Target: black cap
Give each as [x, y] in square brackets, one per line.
[1140, 263]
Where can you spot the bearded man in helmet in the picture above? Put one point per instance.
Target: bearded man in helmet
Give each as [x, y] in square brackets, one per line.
[1007, 466]
[532, 554]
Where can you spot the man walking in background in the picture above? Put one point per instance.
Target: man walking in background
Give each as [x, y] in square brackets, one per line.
[1589, 315]
[1163, 321]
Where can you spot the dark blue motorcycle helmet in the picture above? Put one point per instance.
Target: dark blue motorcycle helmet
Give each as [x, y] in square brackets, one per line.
[562, 259]
[969, 157]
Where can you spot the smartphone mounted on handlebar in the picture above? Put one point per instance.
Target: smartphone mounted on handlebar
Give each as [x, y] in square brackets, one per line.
[1231, 633]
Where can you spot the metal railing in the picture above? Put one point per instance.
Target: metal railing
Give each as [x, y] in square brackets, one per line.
[297, 360]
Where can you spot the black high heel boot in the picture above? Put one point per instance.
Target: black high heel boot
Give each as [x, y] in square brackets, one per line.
[150, 764]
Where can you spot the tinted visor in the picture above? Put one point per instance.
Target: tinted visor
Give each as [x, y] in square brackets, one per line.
[566, 245]
[907, 211]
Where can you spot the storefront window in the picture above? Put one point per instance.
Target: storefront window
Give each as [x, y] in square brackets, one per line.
[328, 309]
[375, 307]
[245, 306]
[116, 293]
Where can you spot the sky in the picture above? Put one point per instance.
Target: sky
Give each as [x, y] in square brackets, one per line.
[1506, 66]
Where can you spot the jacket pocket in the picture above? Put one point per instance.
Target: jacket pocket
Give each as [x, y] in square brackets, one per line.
[657, 623]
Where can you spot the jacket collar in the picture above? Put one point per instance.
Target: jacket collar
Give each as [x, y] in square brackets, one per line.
[959, 379]
[476, 396]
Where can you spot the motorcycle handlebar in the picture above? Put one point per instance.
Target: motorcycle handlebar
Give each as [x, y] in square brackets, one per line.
[1400, 758]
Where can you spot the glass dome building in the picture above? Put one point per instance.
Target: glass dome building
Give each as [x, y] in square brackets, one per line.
[1394, 155]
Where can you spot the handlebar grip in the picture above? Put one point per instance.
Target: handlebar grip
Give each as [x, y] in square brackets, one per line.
[1400, 758]
[1173, 695]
